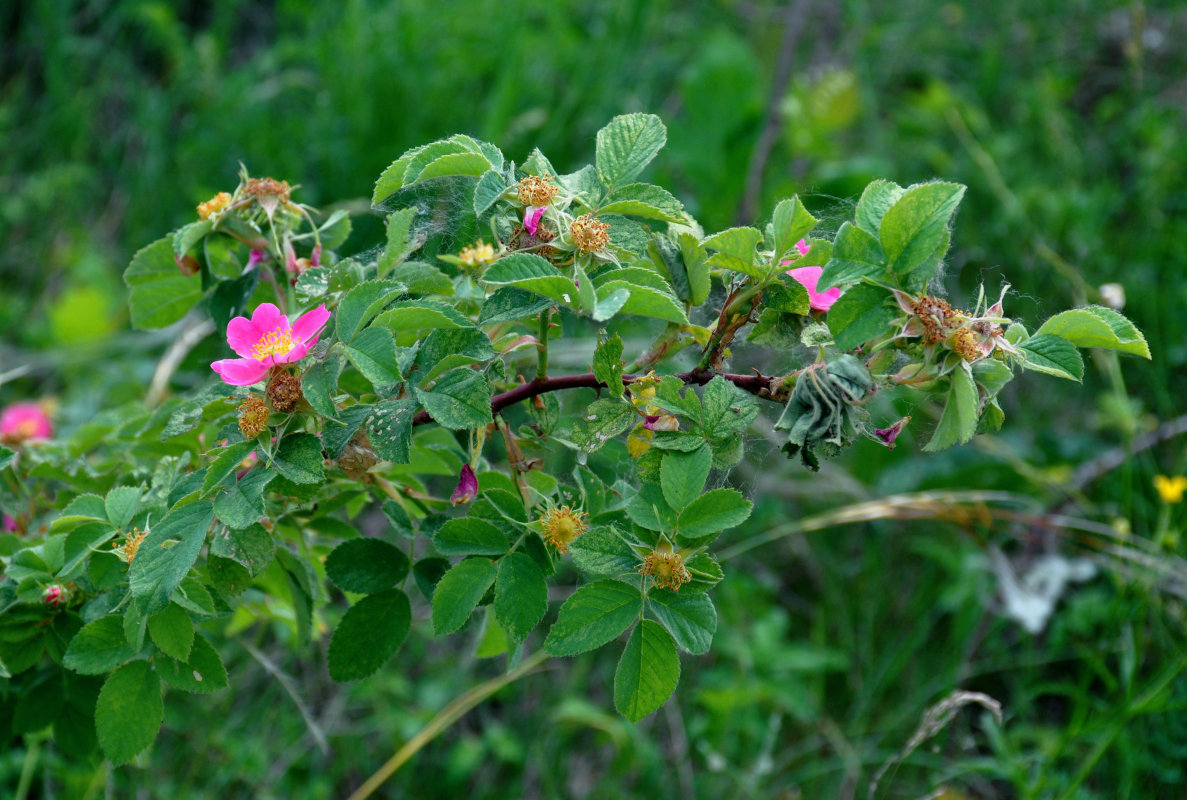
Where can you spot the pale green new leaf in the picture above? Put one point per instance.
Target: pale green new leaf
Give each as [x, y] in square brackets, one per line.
[1097, 326]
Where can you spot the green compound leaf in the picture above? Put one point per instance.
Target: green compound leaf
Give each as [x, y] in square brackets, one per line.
[689, 617]
[642, 301]
[253, 547]
[459, 400]
[470, 536]
[602, 421]
[859, 315]
[399, 241]
[459, 591]
[1053, 355]
[418, 315]
[607, 364]
[129, 711]
[121, 505]
[167, 553]
[735, 250]
[791, 223]
[373, 352]
[202, 673]
[683, 475]
[299, 459]
[242, 503]
[369, 634]
[360, 305]
[647, 673]
[172, 631]
[914, 231]
[856, 254]
[490, 188]
[875, 201]
[366, 566]
[643, 200]
[1097, 326]
[320, 384]
[710, 513]
[959, 420]
[160, 293]
[532, 273]
[594, 615]
[521, 595]
[602, 552]
[626, 146]
[389, 428]
[509, 304]
[99, 647]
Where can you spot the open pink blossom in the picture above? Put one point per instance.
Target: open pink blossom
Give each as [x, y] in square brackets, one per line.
[809, 278]
[21, 422]
[531, 218]
[267, 339]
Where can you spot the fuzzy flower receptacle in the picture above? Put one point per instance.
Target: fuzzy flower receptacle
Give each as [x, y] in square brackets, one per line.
[22, 422]
[266, 340]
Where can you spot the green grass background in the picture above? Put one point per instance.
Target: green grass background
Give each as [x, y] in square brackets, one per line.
[1064, 118]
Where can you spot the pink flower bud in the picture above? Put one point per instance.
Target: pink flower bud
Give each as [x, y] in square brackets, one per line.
[52, 595]
[21, 422]
[467, 487]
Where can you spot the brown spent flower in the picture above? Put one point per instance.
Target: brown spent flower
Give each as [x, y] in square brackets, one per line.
[357, 457]
[563, 525]
[267, 187]
[936, 314]
[253, 417]
[284, 390]
[214, 205]
[589, 234]
[536, 191]
[666, 568]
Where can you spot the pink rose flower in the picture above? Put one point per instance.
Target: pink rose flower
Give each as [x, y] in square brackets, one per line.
[809, 278]
[21, 422]
[267, 339]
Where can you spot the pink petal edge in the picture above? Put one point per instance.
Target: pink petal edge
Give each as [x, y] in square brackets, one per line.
[241, 371]
[309, 323]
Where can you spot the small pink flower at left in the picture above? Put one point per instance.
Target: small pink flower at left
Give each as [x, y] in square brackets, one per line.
[267, 339]
[809, 278]
[21, 422]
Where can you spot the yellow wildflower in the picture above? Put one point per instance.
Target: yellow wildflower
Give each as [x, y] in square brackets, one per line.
[1170, 489]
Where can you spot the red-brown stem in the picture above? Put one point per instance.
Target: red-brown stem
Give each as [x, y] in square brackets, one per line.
[525, 391]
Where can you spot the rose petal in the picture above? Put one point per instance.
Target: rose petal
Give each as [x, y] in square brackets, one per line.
[809, 277]
[802, 246]
[267, 317]
[531, 218]
[241, 371]
[309, 323]
[243, 335]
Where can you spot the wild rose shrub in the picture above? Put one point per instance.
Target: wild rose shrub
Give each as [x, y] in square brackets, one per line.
[412, 384]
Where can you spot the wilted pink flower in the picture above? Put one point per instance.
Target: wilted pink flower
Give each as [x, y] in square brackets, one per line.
[467, 487]
[268, 339]
[888, 435]
[256, 257]
[246, 464]
[9, 524]
[809, 278]
[531, 218]
[21, 422]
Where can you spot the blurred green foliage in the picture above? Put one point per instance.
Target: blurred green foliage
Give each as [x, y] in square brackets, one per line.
[1065, 120]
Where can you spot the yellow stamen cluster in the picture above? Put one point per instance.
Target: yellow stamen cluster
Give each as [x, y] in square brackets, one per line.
[966, 345]
[536, 191]
[253, 417]
[284, 391]
[263, 187]
[589, 234]
[562, 525]
[666, 568]
[1170, 489]
[477, 254]
[127, 549]
[214, 205]
[273, 343]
